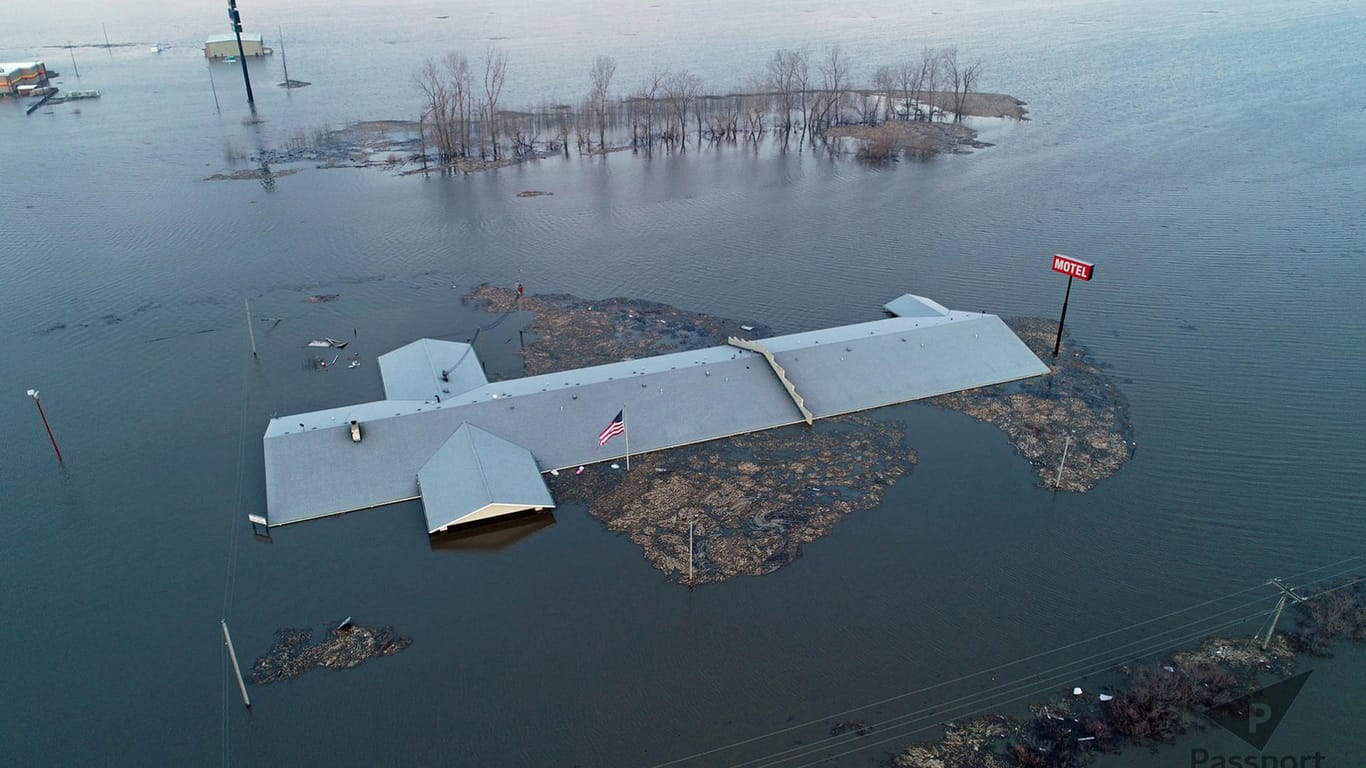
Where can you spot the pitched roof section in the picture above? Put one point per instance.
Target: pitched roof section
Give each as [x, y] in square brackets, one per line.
[414, 371]
[476, 475]
[910, 305]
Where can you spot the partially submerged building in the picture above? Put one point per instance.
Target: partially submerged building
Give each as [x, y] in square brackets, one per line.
[23, 78]
[472, 450]
[223, 46]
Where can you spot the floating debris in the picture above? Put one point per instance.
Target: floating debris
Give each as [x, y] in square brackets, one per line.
[849, 726]
[251, 174]
[346, 646]
[328, 343]
[966, 744]
[533, 193]
[322, 298]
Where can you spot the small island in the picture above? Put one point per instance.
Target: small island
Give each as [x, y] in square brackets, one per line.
[750, 502]
[797, 99]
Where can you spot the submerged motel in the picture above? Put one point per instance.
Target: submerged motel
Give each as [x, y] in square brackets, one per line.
[473, 450]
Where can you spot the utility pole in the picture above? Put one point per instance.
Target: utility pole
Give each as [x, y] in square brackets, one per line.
[1287, 595]
[236, 19]
[33, 393]
[72, 50]
[237, 670]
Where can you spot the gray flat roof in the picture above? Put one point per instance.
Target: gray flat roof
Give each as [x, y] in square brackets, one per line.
[313, 469]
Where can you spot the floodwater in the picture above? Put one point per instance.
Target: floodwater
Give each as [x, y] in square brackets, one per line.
[1208, 160]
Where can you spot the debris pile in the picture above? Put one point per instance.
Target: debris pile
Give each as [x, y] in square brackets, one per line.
[968, 744]
[574, 333]
[1076, 399]
[751, 500]
[345, 647]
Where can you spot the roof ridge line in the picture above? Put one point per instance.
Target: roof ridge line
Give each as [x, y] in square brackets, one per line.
[479, 462]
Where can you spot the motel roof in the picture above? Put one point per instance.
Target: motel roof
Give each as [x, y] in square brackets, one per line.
[231, 38]
[313, 469]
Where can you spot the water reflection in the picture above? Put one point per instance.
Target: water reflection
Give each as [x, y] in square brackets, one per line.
[494, 535]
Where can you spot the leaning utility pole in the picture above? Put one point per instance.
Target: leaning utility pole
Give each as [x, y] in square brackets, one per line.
[236, 19]
[1287, 594]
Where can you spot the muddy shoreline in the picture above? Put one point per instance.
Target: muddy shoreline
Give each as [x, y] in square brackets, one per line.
[752, 501]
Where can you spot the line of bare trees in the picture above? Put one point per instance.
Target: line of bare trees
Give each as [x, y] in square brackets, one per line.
[795, 95]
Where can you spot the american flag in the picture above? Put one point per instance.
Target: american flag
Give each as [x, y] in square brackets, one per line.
[617, 427]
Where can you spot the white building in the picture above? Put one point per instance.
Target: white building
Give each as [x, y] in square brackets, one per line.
[223, 46]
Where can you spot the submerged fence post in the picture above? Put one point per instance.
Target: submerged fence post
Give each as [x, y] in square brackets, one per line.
[227, 638]
[251, 333]
[1066, 444]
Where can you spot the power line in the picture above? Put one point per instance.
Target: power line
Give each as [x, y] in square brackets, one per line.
[230, 567]
[900, 735]
[1101, 666]
[1108, 657]
[1006, 665]
[796, 753]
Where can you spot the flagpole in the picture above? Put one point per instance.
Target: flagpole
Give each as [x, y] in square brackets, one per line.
[627, 434]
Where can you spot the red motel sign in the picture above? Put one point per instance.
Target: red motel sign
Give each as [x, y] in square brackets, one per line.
[1073, 267]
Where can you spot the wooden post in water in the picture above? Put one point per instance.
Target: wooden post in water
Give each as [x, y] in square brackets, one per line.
[33, 393]
[214, 88]
[227, 638]
[284, 60]
[251, 333]
[691, 523]
[1066, 444]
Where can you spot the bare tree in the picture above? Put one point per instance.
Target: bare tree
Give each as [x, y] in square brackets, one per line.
[908, 80]
[884, 86]
[787, 77]
[953, 77]
[458, 74]
[754, 105]
[495, 70]
[436, 106]
[970, 75]
[682, 90]
[834, 74]
[801, 78]
[929, 81]
[604, 67]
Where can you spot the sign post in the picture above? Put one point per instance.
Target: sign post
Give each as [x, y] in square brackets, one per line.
[1072, 268]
